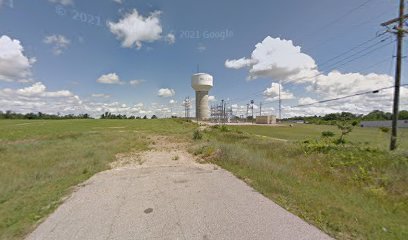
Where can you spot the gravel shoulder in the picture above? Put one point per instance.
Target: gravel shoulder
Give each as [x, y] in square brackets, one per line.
[165, 194]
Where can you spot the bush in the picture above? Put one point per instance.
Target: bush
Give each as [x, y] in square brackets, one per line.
[384, 129]
[197, 135]
[328, 134]
[310, 146]
[224, 128]
[345, 128]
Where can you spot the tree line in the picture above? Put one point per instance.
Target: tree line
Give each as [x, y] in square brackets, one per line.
[45, 116]
[40, 115]
[108, 115]
[375, 115]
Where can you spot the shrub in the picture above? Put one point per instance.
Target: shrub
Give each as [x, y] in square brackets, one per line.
[345, 128]
[310, 146]
[384, 129]
[224, 128]
[328, 134]
[197, 135]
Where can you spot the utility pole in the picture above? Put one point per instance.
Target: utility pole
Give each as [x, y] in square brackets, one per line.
[280, 102]
[187, 107]
[252, 107]
[225, 111]
[400, 31]
[247, 113]
[222, 110]
[260, 109]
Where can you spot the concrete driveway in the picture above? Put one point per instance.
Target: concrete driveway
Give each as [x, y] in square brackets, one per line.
[167, 195]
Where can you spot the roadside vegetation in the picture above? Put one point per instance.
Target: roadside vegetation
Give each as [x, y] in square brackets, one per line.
[351, 189]
[338, 179]
[42, 160]
[332, 118]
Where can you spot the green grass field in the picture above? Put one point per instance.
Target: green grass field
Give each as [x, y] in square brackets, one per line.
[370, 136]
[356, 191]
[41, 160]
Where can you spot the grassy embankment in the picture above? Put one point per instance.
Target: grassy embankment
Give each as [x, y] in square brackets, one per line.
[355, 191]
[41, 161]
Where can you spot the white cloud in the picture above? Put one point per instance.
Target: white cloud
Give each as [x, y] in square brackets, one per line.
[166, 92]
[336, 83]
[100, 95]
[278, 59]
[118, 1]
[14, 65]
[110, 78]
[272, 93]
[239, 63]
[172, 101]
[134, 29]
[212, 99]
[136, 82]
[36, 98]
[362, 104]
[39, 89]
[63, 2]
[59, 42]
[306, 100]
[170, 38]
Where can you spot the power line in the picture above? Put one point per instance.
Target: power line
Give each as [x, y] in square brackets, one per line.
[342, 16]
[400, 32]
[322, 43]
[344, 97]
[362, 51]
[353, 59]
[336, 64]
[354, 48]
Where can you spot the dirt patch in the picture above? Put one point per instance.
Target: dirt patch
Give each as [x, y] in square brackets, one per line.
[164, 152]
[125, 159]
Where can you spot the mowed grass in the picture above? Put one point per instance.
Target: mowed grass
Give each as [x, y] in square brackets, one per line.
[373, 137]
[356, 191]
[41, 161]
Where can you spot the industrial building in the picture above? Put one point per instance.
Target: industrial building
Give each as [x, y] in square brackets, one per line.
[401, 124]
[266, 119]
[202, 83]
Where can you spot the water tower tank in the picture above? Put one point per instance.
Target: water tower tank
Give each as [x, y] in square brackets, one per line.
[202, 83]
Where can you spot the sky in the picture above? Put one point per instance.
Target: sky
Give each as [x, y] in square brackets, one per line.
[137, 57]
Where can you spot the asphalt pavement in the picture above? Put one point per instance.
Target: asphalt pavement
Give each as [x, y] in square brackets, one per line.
[169, 198]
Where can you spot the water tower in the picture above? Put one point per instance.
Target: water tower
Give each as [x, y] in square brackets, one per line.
[202, 83]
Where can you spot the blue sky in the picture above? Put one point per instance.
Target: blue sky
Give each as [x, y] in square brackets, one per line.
[71, 45]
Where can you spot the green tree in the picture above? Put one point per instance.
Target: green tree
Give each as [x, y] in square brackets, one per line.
[345, 128]
[403, 115]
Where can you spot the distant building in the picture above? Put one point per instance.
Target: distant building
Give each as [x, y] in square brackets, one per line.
[266, 119]
[297, 121]
[401, 124]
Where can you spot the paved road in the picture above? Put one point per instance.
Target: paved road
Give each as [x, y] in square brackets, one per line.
[168, 199]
